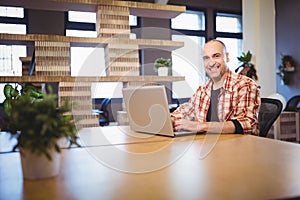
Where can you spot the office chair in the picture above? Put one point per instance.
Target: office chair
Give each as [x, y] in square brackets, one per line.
[103, 111]
[292, 104]
[104, 115]
[270, 110]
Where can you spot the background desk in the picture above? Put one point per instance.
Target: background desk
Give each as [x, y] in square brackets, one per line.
[95, 136]
[238, 167]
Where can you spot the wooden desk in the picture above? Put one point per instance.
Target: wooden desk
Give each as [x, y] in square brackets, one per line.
[113, 135]
[95, 136]
[238, 167]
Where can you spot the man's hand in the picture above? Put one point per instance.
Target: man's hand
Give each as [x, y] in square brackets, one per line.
[183, 124]
[208, 127]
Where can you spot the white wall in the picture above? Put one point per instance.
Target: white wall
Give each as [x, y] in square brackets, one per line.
[259, 38]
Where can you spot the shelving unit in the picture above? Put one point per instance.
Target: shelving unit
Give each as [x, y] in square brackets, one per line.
[113, 30]
[286, 127]
[57, 79]
[90, 42]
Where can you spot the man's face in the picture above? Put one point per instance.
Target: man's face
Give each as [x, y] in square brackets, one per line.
[215, 59]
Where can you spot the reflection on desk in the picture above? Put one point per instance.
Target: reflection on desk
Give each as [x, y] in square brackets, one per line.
[238, 167]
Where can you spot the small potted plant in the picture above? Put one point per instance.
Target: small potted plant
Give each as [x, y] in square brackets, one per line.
[247, 68]
[38, 125]
[286, 67]
[161, 65]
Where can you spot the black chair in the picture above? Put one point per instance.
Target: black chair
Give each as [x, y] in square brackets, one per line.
[270, 110]
[293, 104]
[103, 111]
[104, 116]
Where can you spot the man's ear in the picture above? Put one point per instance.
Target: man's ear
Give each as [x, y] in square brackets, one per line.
[227, 57]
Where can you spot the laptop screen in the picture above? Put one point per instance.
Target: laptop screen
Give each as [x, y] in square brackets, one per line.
[147, 109]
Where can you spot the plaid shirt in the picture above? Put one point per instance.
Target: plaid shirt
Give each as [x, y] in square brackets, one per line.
[239, 99]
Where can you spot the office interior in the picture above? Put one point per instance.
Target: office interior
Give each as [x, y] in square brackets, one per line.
[269, 31]
[115, 163]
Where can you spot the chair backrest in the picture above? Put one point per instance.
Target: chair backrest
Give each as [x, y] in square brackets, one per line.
[104, 107]
[292, 104]
[104, 115]
[269, 111]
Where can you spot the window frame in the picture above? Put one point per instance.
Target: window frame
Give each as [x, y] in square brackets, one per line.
[196, 33]
[226, 34]
[82, 26]
[86, 26]
[16, 20]
[200, 33]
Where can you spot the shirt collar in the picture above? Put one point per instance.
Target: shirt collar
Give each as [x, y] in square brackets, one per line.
[228, 81]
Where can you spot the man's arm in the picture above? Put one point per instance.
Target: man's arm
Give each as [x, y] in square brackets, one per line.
[208, 127]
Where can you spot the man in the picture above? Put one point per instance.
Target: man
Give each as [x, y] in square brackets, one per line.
[226, 103]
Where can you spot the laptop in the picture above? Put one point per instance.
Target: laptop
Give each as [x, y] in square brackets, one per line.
[148, 111]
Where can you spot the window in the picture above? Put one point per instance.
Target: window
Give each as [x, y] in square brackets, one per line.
[81, 24]
[234, 47]
[189, 28]
[231, 23]
[11, 12]
[190, 20]
[133, 20]
[76, 16]
[13, 28]
[10, 64]
[187, 61]
[229, 31]
[90, 61]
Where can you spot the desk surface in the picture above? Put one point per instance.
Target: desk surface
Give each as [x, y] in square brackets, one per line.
[95, 136]
[236, 167]
[114, 135]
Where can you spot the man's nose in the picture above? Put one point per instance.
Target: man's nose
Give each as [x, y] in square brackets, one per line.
[211, 63]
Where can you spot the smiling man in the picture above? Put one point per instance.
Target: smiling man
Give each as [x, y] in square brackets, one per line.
[226, 103]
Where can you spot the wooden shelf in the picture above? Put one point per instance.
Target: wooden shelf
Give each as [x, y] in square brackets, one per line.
[141, 9]
[53, 79]
[52, 52]
[84, 41]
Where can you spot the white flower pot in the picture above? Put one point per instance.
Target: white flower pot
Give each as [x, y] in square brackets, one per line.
[163, 71]
[39, 167]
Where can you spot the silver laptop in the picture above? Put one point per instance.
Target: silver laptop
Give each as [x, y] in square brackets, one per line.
[148, 111]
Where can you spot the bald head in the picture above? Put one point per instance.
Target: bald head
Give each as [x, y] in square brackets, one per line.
[218, 41]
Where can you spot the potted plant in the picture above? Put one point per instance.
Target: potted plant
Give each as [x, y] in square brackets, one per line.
[161, 65]
[286, 67]
[247, 68]
[38, 125]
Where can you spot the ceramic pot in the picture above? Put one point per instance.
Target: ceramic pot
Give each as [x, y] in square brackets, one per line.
[36, 167]
[163, 71]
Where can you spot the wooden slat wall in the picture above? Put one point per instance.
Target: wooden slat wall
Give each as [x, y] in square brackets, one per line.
[52, 58]
[113, 21]
[79, 93]
[122, 60]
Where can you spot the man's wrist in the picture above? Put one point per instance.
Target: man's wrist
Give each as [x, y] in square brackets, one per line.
[202, 127]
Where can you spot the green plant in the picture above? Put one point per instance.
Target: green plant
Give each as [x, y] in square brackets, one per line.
[12, 93]
[38, 123]
[247, 68]
[162, 62]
